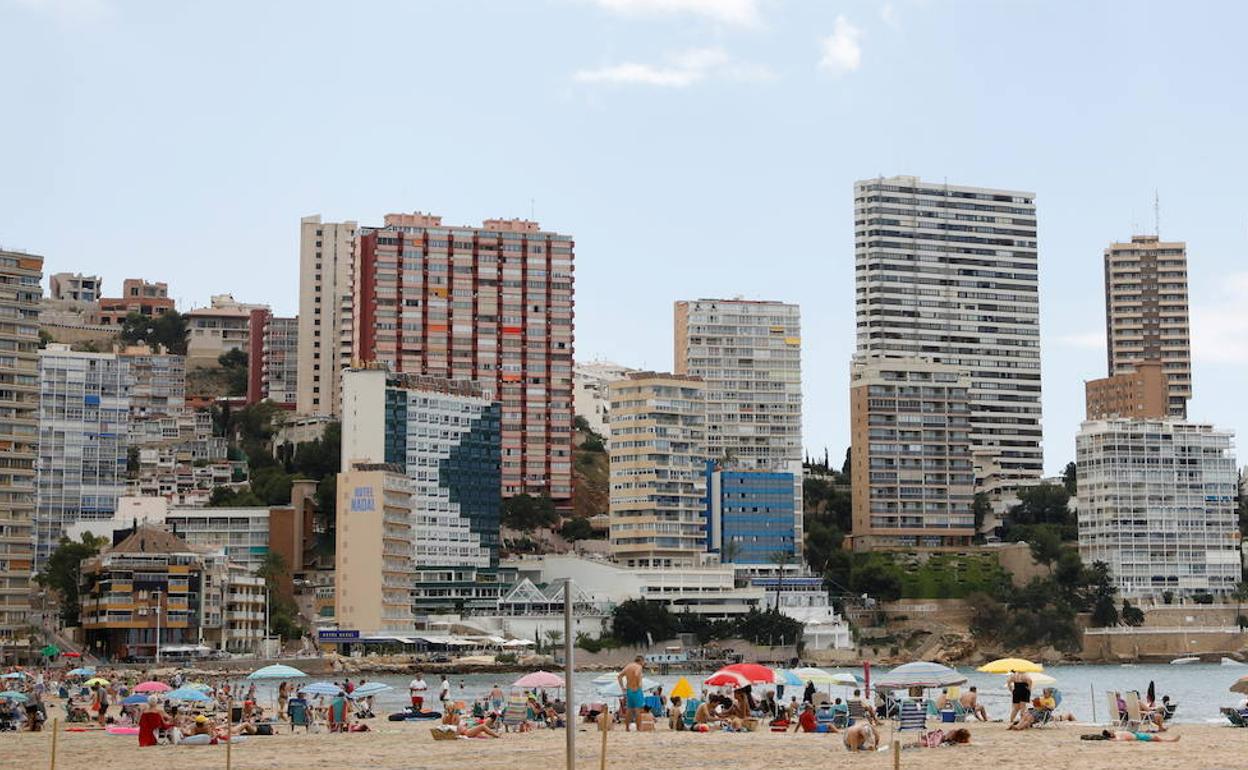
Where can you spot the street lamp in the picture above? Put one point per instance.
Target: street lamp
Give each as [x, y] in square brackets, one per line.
[157, 596]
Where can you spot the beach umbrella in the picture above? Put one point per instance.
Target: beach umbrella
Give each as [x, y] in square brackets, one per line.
[71, 654]
[321, 688]
[152, 687]
[682, 689]
[1006, 665]
[13, 695]
[276, 671]
[1041, 680]
[187, 694]
[93, 681]
[14, 675]
[921, 673]
[134, 700]
[370, 688]
[538, 680]
[88, 671]
[197, 686]
[845, 679]
[740, 675]
[814, 675]
[1241, 685]
[51, 651]
[1152, 691]
[788, 678]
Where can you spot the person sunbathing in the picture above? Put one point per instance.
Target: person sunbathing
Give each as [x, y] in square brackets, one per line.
[970, 703]
[486, 728]
[1127, 737]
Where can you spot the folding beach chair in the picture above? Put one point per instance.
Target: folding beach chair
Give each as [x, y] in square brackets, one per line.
[1116, 718]
[825, 719]
[910, 716]
[1135, 715]
[297, 710]
[856, 712]
[691, 711]
[1235, 716]
[515, 714]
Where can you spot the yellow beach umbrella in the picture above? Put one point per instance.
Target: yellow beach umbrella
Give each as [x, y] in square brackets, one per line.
[1006, 665]
[96, 680]
[682, 689]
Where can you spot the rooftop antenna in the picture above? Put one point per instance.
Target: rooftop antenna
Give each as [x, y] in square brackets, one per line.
[1156, 214]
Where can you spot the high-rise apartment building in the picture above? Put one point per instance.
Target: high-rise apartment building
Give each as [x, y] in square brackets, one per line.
[589, 393]
[326, 275]
[445, 435]
[658, 470]
[912, 476]
[20, 295]
[375, 573]
[749, 354]
[273, 369]
[1139, 391]
[84, 419]
[1157, 504]
[949, 273]
[491, 304]
[1146, 313]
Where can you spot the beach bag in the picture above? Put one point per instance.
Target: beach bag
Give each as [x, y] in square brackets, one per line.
[264, 729]
[444, 733]
[401, 716]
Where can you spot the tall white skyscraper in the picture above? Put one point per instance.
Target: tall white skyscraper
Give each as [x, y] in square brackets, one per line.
[325, 286]
[749, 355]
[949, 274]
[84, 418]
[1157, 504]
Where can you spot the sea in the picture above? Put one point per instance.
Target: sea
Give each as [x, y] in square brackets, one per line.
[1199, 689]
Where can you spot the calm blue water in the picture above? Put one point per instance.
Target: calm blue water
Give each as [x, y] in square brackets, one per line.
[1199, 689]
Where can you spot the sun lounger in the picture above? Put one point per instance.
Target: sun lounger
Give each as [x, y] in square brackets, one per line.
[1236, 717]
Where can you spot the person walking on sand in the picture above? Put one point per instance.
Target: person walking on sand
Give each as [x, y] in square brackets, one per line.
[1020, 694]
[444, 691]
[629, 680]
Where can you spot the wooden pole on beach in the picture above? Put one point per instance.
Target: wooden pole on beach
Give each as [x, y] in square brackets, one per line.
[229, 730]
[604, 724]
[1092, 693]
[896, 755]
[56, 728]
[569, 670]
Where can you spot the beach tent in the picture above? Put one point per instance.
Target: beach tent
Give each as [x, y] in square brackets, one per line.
[682, 689]
[539, 680]
[1006, 665]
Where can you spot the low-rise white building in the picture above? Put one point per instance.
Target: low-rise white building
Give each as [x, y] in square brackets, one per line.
[590, 382]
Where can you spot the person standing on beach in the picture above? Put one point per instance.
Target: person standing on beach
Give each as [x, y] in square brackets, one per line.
[444, 691]
[417, 689]
[1020, 694]
[629, 681]
[496, 698]
[808, 696]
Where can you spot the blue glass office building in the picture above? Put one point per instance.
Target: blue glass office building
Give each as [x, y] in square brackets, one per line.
[752, 510]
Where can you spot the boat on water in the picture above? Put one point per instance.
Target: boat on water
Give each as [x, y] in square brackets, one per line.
[1184, 661]
[1233, 662]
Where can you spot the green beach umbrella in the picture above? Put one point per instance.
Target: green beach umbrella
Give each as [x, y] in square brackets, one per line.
[51, 651]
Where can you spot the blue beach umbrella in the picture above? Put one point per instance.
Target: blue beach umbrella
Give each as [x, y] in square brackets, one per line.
[321, 688]
[370, 688]
[186, 694]
[788, 678]
[134, 700]
[276, 671]
[14, 675]
[86, 671]
[13, 695]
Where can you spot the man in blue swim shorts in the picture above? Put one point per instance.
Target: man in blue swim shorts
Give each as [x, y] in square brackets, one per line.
[630, 683]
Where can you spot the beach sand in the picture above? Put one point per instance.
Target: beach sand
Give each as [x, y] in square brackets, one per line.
[408, 746]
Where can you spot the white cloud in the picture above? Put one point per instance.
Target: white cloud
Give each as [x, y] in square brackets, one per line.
[738, 12]
[682, 70]
[1220, 324]
[841, 51]
[71, 10]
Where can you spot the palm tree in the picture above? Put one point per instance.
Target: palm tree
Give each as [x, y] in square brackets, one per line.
[1240, 594]
[781, 559]
[729, 552]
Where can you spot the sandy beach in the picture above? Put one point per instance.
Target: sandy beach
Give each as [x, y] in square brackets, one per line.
[409, 746]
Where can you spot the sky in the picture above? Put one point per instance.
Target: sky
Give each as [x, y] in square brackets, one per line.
[693, 148]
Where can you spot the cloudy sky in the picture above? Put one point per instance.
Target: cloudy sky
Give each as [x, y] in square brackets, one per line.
[694, 148]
